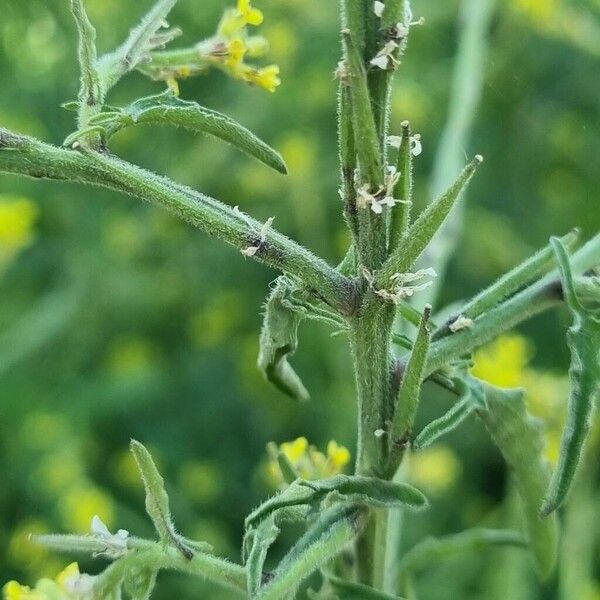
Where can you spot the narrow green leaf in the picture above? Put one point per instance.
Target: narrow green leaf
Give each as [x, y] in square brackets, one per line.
[400, 215]
[139, 583]
[468, 402]
[278, 341]
[141, 41]
[262, 539]
[370, 490]
[347, 590]
[520, 439]
[425, 227]
[431, 551]
[167, 109]
[584, 374]
[294, 495]
[157, 500]
[410, 390]
[325, 539]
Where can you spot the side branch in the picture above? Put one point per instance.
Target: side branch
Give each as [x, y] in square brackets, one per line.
[27, 156]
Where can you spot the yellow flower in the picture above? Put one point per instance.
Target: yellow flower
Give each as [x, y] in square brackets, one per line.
[252, 16]
[234, 20]
[295, 450]
[338, 456]
[503, 362]
[307, 460]
[266, 78]
[236, 50]
[68, 573]
[81, 503]
[13, 590]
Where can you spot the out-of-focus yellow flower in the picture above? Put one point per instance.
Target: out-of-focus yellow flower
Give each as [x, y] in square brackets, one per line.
[60, 588]
[214, 324]
[257, 46]
[235, 19]
[283, 40]
[17, 219]
[265, 77]
[503, 362]
[13, 590]
[80, 504]
[59, 470]
[436, 468]
[338, 456]
[307, 460]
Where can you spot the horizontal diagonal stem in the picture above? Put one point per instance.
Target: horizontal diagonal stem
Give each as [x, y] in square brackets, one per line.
[27, 156]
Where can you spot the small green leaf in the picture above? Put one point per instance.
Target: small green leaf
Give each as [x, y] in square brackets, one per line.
[278, 341]
[426, 226]
[261, 540]
[521, 440]
[157, 500]
[167, 109]
[410, 391]
[139, 583]
[347, 590]
[370, 490]
[325, 539]
[468, 402]
[584, 374]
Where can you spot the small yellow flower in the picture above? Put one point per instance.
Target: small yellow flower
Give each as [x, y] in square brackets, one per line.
[266, 78]
[13, 590]
[67, 574]
[338, 456]
[252, 16]
[295, 450]
[436, 468]
[236, 50]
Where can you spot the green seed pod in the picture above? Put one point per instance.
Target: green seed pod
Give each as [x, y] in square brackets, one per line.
[584, 341]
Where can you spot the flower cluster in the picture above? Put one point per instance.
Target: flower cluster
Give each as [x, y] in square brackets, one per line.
[309, 462]
[232, 45]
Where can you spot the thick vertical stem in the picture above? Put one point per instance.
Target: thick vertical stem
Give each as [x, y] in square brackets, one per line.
[371, 350]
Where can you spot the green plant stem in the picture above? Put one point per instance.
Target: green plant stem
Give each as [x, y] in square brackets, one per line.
[370, 344]
[26, 156]
[153, 555]
[535, 299]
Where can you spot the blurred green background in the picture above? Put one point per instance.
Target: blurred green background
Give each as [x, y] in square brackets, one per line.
[118, 321]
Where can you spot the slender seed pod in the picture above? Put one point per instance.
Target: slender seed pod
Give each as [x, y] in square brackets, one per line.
[584, 374]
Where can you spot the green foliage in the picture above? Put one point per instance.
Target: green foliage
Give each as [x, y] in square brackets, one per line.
[347, 519]
[520, 439]
[584, 374]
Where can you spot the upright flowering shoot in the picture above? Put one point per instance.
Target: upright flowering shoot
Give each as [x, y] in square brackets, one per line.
[228, 50]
